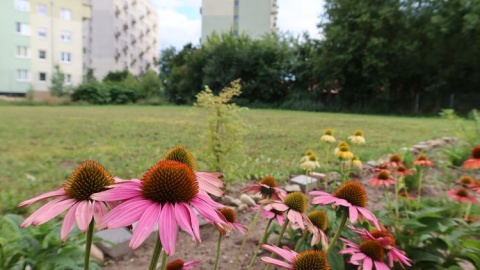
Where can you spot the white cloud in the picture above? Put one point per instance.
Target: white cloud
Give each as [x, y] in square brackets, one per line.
[180, 23]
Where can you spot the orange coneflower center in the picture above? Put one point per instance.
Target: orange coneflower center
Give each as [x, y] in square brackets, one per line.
[90, 177]
[383, 175]
[229, 214]
[353, 192]
[344, 148]
[269, 181]
[476, 152]
[169, 181]
[309, 153]
[175, 265]
[395, 158]
[311, 260]
[373, 249]
[422, 158]
[401, 168]
[296, 201]
[358, 133]
[329, 132]
[181, 154]
[466, 180]
[462, 192]
[379, 233]
[319, 218]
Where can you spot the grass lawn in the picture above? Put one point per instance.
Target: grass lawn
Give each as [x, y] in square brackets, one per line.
[40, 146]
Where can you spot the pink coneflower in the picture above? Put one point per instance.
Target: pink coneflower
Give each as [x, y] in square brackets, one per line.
[382, 178]
[294, 205]
[270, 213]
[404, 194]
[387, 240]
[231, 222]
[268, 188]
[319, 220]
[395, 160]
[350, 195]
[423, 161]
[369, 254]
[76, 194]
[164, 196]
[461, 195]
[473, 163]
[208, 182]
[306, 260]
[475, 186]
[178, 264]
[402, 170]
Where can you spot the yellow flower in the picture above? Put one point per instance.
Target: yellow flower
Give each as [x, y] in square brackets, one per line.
[357, 138]
[356, 162]
[310, 163]
[328, 136]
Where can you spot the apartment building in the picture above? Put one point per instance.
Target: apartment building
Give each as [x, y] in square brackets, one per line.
[121, 34]
[252, 17]
[38, 35]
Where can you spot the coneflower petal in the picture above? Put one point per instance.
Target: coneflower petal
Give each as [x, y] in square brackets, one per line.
[168, 228]
[368, 264]
[49, 213]
[84, 214]
[59, 192]
[353, 214]
[288, 254]
[296, 218]
[145, 225]
[185, 218]
[358, 256]
[68, 222]
[28, 221]
[206, 211]
[117, 218]
[121, 193]
[276, 262]
[99, 211]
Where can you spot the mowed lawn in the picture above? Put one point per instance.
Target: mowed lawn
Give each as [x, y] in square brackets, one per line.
[40, 146]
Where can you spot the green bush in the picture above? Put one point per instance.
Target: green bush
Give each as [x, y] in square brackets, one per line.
[92, 92]
[120, 93]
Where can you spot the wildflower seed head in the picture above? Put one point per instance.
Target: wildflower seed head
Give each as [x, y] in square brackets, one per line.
[462, 192]
[373, 249]
[358, 132]
[312, 158]
[401, 168]
[181, 154]
[296, 201]
[383, 175]
[90, 177]
[175, 265]
[229, 214]
[309, 152]
[328, 132]
[169, 181]
[422, 157]
[342, 144]
[353, 192]
[311, 260]
[385, 234]
[344, 148]
[319, 218]
[269, 181]
[466, 180]
[395, 158]
[476, 152]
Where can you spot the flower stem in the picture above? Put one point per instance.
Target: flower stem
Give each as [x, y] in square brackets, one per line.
[264, 239]
[420, 176]
[155, 255]
[252, 224]
[218, 251]
[467, 211]
[88, 246]
[164, 260]
[397, 187]
[389, 203]
[339, 230]
[300, 241]
[280, 236]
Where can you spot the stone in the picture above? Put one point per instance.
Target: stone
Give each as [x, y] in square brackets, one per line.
[334, 177]
[96, 254]
[243, 207]
[292, 188]
[114, 242]
[318, 176]
[229, 200]
[305, 182]
[372, 163]
[256, 197]
[244, 198]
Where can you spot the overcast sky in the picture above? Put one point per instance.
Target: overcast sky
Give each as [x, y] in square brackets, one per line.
[179, 21]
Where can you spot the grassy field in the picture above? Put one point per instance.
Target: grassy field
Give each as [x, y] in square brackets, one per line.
[40, 146]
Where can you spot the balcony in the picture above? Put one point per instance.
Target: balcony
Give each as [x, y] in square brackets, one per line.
[117, 35]
[125, 27]
[134, 41]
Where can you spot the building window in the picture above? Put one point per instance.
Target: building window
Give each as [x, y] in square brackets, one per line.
[42, 32]
[42, 10]
[235, 19]
[22, 28]
[42, 77]
[66, 57]
[66, 14]
[22, 5]
[67, 79]
[66, 36]
[23, 75]
[22, 52]
[42, 54]
[237, 3]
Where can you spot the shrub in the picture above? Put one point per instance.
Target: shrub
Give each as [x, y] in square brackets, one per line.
[92, 92]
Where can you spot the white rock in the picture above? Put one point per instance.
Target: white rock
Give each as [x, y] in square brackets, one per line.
[247, 200]
[243, 207]
[292, 188]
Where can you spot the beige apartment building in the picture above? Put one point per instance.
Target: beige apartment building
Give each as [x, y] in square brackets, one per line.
[120, 34]
[252, 17]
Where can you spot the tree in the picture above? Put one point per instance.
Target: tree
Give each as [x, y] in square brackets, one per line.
[57, 87]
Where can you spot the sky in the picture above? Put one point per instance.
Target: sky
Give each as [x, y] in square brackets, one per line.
[179, 21]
